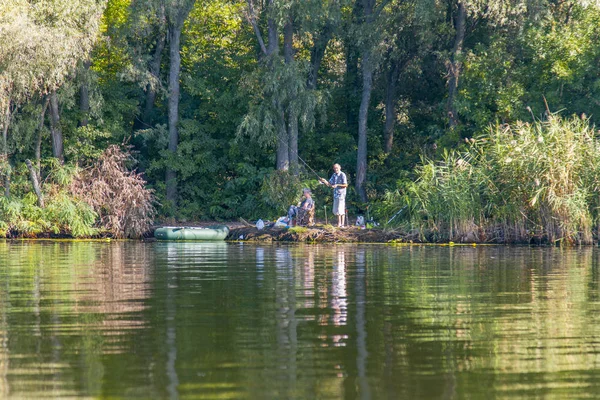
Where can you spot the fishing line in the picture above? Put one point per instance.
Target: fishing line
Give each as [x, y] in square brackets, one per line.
[304, 162]
[299, 158]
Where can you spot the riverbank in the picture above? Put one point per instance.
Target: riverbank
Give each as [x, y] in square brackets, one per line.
[319, 234]
[244, 231]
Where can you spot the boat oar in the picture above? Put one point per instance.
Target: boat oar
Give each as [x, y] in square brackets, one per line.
[325, 208]
[181, 227]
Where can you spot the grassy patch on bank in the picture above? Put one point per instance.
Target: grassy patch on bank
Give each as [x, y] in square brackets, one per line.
[298, 229]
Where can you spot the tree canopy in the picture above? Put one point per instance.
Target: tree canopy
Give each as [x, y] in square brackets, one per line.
[229, 107]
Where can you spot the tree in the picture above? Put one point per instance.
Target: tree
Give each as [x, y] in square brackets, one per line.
[369, 58]
[40, 44]
[453, 64]
[269, 60]
[176, 13]
[146, 32]
[498, 15]
[406, 41]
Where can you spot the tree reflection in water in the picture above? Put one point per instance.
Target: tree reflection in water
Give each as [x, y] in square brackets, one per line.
[69, 297]
[186, 320]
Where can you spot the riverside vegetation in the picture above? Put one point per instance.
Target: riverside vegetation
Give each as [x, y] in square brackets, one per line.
[531, 181]
[117, 114]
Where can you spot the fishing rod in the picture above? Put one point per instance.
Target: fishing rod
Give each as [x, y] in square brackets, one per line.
[395, 215]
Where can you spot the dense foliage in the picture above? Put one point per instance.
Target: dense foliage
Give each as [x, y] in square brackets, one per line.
[232, 106]
[532, 181]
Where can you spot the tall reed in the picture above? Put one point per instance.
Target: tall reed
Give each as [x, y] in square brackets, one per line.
[446, 200]
[531, 180]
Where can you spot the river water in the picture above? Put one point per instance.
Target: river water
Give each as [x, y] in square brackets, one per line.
[240, 321]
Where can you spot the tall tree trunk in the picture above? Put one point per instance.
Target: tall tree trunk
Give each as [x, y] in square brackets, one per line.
[84, 95]
[268, 50]
[351, 85]
[154, 69]
[151, 89]
[38, 137]
[35, 183]
[175, 28]
[174, 92]
[5, 125]
[7, 177]
[292, 116]
[352, 76]
[454, 65]
[390, 107]
[283, 160]
[55, 129]
[317, 53]
[293, 141]
[363, 114]
[282, 154]
[273, 35]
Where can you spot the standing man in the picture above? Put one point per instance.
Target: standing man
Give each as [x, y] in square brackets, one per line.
[339, 183]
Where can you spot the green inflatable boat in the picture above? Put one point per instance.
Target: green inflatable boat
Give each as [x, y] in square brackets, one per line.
[217, 232]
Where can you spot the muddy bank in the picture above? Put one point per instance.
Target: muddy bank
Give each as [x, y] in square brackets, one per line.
[318, 234]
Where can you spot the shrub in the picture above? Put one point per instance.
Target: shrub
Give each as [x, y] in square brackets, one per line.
[62, 215]
[119, 197]
[70, 216]
[281, 189]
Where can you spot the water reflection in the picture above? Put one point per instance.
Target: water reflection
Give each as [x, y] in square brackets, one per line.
[4, 361]
[339, 303]
[62, 301]
[218, 320]
[361, 328]
[260, 263]
[191, 254]
[306, 279]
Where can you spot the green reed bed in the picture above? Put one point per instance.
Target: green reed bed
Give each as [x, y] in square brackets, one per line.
[517, 183]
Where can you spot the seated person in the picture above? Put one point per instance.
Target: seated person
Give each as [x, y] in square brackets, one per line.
[304, 211]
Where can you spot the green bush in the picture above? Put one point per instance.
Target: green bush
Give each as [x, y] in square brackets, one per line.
[62, 215]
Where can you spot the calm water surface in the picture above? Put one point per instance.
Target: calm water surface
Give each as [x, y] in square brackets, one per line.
[239, 321]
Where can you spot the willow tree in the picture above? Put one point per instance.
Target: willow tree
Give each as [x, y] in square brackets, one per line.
[40, 45]
[280, 97]
[146, 32]
[315, 22]
[268, 117]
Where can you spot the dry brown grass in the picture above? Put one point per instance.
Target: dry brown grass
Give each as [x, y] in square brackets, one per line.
[124, 205]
